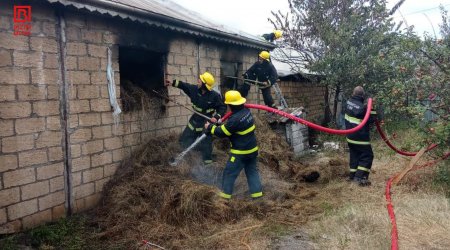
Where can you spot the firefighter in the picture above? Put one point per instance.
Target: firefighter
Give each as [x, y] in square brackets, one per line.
[240, 128]
[205, 101]
[361, 154]
[270, 37]
[262, 71]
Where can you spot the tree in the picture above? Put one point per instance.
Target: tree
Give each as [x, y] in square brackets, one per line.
[348, 42]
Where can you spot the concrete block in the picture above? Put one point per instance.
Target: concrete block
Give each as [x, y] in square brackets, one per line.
[32, 157]
[37, 219]
[51, 200]
[91, 147]
[9, 196]
[76, 48]
[81, 163]
[56, 184]
[34, 190]
[17, 143]
[7, 93]
[55, 154]
[22, 209]
[50, 171]
[93, 174]
[44, 44]
[6, 128]
[46, 108]
[79, 106]
[83, 190]
[29, 125]
[5, 58]
[101, 159]
[49, 139]
[88, 63]
[8, 162]
[15, 110]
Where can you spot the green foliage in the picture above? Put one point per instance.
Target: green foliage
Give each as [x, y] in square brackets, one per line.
[356, 42]
[66, 233]
[443, 178]
[9, 243]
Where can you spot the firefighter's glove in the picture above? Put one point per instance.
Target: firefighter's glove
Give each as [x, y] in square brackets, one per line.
[217, 117]
[206, 128]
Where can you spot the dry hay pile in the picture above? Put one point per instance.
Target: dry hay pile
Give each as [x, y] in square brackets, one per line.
[148, 199]
[135, 98]
[278, 156]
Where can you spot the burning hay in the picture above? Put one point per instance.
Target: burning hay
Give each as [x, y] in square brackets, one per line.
[148, 199]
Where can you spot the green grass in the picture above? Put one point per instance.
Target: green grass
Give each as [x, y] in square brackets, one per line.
[67, 233]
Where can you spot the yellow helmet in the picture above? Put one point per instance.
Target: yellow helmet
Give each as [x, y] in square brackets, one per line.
[208, 79]
[264, 55]
[277, 33]
[233, 97]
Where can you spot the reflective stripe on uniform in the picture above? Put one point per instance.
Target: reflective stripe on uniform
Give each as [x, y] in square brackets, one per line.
[197, 108]
[358, 142]
[208, 161]
[224, 195]
[176, 83]
[246, 131]
[256, 195]
[225, 130]
[352, 170]
[232, 158]
[373, 112]
[213, 128]
[195, 129]
[244, 152]
[363, 169]
[352, 119]
[210, 110]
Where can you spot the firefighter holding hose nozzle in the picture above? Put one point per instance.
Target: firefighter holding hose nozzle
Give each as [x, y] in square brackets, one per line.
[205, 101]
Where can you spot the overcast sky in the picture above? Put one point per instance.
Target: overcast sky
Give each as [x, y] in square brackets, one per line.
[251, 15]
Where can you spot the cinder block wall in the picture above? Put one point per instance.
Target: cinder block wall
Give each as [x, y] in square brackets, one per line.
[31, 145]
[307, 95]
[41, 177]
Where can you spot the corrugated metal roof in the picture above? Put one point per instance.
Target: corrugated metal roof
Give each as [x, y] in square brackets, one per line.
[169, 15]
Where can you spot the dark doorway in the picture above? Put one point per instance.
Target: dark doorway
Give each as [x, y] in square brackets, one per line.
[141, 71]
[229, 72]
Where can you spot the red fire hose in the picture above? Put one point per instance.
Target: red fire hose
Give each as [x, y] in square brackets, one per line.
[390, 208]
[315, 126]
[386, 140]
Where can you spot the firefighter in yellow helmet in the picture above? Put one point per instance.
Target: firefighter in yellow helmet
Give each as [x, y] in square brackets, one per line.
[205, 101]
[270, 37]
[262, 71]
[240, 129]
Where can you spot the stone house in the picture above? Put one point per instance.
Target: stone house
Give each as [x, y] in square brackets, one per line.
[59, 140]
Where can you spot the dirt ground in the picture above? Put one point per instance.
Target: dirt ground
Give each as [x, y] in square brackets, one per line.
[178, 207]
